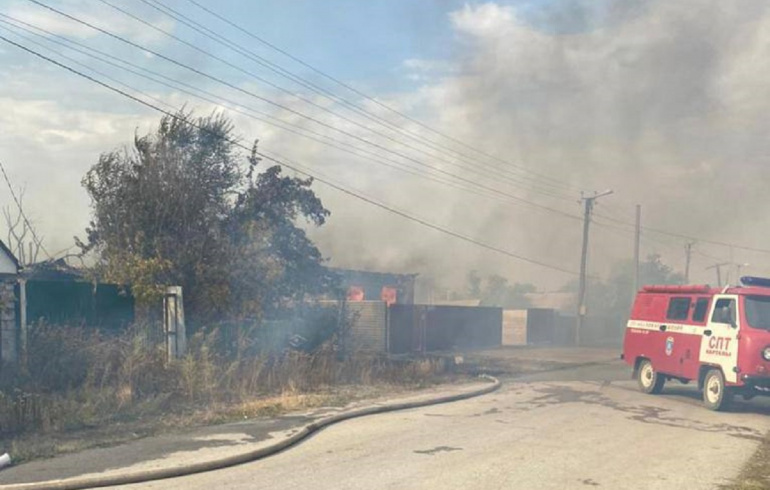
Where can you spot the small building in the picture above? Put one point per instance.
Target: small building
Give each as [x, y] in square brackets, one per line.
[9, 277]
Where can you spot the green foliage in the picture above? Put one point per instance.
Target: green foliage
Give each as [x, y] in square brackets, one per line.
[497, 292]
[613, 298]
[184, 207]
[474, 284]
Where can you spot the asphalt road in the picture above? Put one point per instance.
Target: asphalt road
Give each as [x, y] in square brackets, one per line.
[580, 428]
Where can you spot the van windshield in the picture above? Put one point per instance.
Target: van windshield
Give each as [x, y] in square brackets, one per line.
[758, 311]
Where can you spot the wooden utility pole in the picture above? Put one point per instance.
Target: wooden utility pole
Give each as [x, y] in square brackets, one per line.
[581, 307]
[637, 239]
[687, 256]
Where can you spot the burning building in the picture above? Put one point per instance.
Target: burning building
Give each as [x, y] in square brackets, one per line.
[377, 286]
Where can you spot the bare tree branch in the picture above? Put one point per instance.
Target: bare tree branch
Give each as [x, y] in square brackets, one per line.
[26, 250]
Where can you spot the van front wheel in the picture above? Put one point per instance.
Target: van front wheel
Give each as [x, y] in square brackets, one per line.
[716, 396]
[650, 381]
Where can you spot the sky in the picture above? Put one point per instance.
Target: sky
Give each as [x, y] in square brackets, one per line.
[516, 107]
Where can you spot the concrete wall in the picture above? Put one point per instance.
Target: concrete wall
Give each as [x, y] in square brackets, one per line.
[369, 326]
[368, 329]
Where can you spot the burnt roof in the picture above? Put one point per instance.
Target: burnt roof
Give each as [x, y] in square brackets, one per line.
[372, 274]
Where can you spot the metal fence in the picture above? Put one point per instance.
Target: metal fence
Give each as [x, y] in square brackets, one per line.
[424, 328]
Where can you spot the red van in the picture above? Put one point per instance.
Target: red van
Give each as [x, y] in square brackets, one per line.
[719, 338]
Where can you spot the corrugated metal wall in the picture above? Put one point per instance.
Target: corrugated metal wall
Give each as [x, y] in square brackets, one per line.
[406, 329]
[77, 304]
[419, 328]
[541, 325]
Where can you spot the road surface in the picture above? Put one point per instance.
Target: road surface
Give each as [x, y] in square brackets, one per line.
[582, 428]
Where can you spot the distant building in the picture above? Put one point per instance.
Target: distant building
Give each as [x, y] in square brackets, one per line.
[377, 286]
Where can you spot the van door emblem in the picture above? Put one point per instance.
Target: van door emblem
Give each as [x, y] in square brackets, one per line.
[669, 346]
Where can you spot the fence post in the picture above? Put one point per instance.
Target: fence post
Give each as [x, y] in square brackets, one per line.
[173, 322]
[23, 327]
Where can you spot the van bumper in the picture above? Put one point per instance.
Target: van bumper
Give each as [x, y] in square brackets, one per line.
[761, 383]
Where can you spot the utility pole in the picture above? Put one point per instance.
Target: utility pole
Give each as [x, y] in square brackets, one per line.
[588, 209]
[718, 268]
[687, 255]
[637, 239]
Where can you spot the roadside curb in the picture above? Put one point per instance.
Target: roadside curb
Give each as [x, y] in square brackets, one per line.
[248, 456]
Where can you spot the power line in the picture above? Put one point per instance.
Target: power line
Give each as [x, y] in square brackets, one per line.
[515, 179]
[379, 103]
[690, 237]
[319, 106]
[487, 188]
[375, 100]
[37, 240]
[295, 168]
[302, 115]
[266, 118]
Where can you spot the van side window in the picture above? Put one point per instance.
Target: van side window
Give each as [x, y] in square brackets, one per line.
[701, 309]
[678, 309]
[724, 311]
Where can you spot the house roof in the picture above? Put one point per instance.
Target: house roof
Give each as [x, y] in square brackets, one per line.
[54, 270]
[4, 248]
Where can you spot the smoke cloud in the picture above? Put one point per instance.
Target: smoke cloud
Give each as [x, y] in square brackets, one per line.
[660, 101]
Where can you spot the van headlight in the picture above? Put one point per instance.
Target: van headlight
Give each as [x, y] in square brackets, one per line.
[766, 353]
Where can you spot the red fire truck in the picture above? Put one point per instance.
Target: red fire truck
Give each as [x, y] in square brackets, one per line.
[719, 338]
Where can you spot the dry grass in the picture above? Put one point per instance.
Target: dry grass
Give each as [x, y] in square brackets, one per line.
[36, 445]
[85, 389]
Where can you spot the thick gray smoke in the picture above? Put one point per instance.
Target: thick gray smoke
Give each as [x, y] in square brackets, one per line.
[663, 102]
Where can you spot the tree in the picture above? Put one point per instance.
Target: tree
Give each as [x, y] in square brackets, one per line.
[184, 206]
[613, 298]
[21, 238]
[498, 292]
[474, 284]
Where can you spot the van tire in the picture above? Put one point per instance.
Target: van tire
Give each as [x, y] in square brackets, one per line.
[649, 380]
[716, 395]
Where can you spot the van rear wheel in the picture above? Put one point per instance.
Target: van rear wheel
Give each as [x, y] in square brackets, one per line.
[716, 395]
[650, 381]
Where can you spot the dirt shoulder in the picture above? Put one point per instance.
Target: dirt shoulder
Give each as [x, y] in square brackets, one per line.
[755, 474]
[152, 420]
[148, 421]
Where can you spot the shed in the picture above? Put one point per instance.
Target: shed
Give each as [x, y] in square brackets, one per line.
[9, 274]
